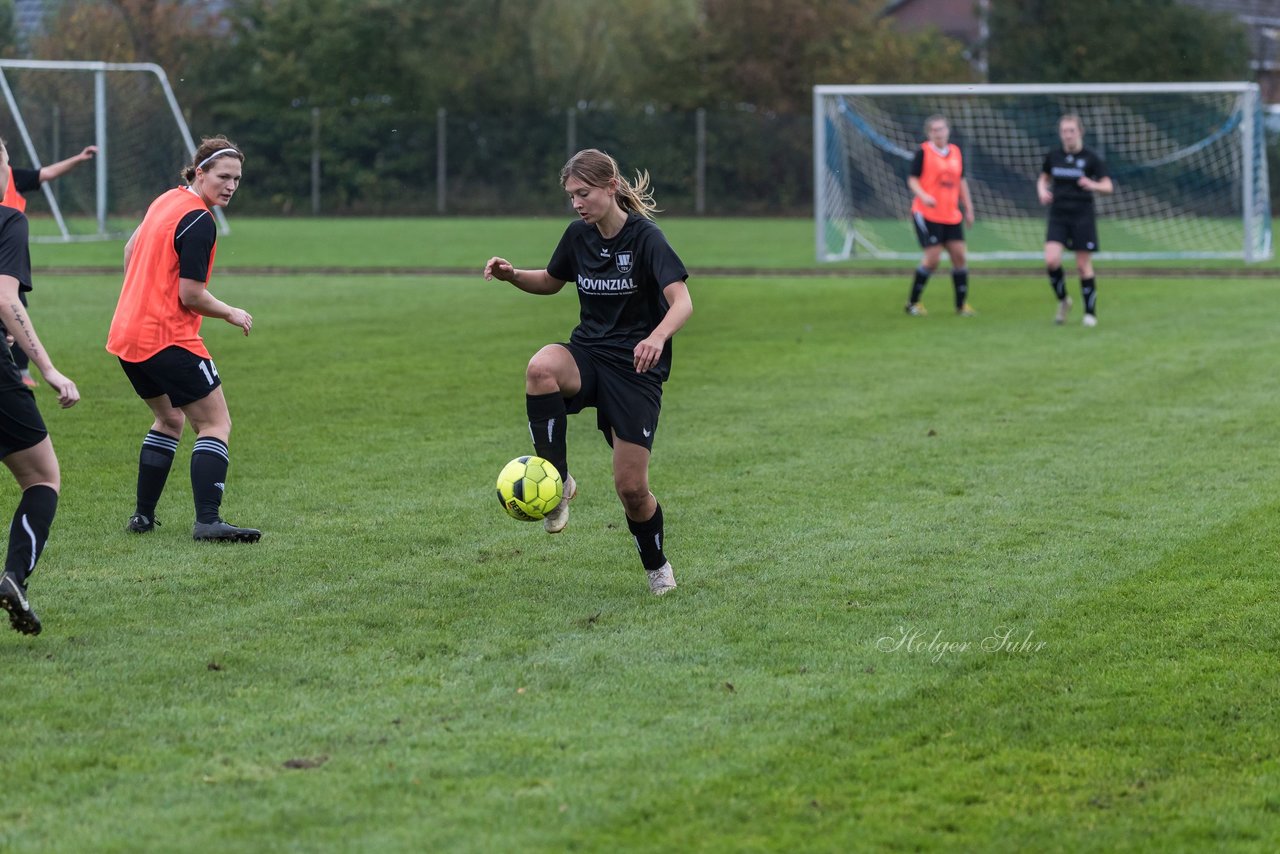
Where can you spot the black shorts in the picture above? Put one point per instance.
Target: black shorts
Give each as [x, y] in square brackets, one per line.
[626, 403]
[936, 233]
[21, 426]
[1078, 232]
[178, 373]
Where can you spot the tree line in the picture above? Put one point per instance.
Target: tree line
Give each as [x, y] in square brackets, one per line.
[363, 83]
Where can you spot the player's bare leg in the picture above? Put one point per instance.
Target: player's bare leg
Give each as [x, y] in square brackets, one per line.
[644, 514]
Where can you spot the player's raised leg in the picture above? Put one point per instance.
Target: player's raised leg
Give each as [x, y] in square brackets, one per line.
[644, 513]
[552, 377]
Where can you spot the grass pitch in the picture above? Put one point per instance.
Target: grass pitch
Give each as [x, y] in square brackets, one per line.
[982, 584]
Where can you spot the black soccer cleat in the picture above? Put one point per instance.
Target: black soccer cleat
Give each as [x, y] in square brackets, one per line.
[139, 524]
[220, 531]
[13, 598]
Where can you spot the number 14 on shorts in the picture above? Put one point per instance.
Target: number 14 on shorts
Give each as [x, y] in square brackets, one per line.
[209, 370]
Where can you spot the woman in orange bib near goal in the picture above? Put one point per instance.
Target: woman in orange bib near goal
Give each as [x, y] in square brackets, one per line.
[940, 208]
[156, 335]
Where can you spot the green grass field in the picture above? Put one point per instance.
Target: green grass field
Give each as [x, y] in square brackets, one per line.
[945, 584]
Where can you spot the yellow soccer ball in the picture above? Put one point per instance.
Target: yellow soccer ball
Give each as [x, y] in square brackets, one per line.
[529, 488]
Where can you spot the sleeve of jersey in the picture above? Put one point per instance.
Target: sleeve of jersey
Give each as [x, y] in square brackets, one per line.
[26, 180]
[561, 265]
[14, 258]
[663, 261]
[1046, 167]
[1099, 167]
[193, 240]
[917, 163]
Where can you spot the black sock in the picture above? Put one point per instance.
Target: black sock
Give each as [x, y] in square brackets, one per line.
[1089, 290]
[960, 280]
[209, 462]
[917, 285]
[548, 427]
[648, 537]
[29, 529]
[1058, 281]
[154, 461]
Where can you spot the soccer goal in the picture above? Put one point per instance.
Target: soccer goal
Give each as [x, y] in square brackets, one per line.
[1188, 162]
[127, 109]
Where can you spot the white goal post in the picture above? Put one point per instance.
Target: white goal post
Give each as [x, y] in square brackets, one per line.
[1188, 161]
[127, 109]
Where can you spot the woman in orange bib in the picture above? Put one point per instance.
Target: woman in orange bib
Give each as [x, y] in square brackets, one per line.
[156, 335]
[940, 208]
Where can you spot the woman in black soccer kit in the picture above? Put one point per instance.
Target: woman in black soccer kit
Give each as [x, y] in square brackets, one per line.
[24, 441]
[1068, 179]
[633, 298]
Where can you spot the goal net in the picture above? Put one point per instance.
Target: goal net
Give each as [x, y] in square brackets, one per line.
[1188, 162]
[51, 110]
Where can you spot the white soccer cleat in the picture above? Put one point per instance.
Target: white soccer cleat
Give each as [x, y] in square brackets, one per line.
[555, 521]
[661, 579]
[1064, 309]
[1090, 320]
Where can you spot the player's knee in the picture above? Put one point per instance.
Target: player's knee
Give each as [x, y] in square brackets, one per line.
[632, 492]
[170, 425]
[540, 375]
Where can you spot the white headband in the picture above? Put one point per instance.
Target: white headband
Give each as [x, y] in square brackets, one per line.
[218, 153]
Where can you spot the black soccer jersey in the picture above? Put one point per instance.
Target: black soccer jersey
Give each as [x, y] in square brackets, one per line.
[1065, 169]
[15, 256]
[620, 282]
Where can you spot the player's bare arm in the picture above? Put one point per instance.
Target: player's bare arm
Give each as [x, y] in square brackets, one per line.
[196, 297]
[966, 201]
[14, 317]
[1042, 189]
[680, 308]
[1103, 185]
[529, 281]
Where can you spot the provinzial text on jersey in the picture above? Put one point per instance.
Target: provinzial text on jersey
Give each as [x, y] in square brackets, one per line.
[587, 284]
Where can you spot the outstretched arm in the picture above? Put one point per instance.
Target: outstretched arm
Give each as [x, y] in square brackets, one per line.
[62, 167]
[529, 281]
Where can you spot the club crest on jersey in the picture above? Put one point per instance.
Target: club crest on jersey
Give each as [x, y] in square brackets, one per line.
[623, 260]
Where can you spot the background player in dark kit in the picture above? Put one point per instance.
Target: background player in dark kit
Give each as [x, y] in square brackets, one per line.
[633, 298]
[24, 441]
[1068, 179]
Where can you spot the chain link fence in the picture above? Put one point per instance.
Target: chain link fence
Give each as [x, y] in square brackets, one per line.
[368, 159]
